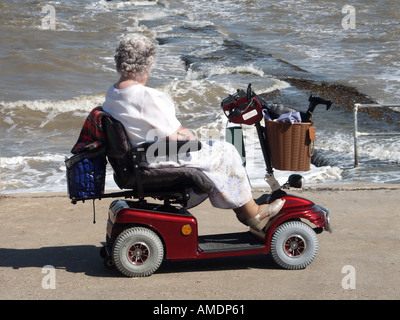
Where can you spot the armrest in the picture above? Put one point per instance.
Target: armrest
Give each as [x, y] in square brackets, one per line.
[153, 149]
[168, 148]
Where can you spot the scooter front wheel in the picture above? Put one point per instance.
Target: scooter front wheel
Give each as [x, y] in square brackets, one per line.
[137, 252]
[294, 245]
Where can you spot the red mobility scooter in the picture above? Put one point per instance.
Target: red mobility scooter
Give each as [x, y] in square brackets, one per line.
[141, 234]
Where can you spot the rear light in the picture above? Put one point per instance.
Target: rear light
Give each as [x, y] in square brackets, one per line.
[186, 229]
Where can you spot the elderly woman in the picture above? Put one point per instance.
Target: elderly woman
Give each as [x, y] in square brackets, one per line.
[142, 110]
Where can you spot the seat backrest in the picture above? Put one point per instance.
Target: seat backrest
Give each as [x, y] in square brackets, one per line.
[121, 155]
[119, 150]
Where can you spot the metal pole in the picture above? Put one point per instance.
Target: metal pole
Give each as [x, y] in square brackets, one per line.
[265, 148]
[355, 135]
[358, 134]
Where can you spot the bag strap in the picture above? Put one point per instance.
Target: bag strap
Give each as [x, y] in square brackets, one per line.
[311, 135]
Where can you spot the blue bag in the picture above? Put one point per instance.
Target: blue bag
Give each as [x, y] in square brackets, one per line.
[86, 173]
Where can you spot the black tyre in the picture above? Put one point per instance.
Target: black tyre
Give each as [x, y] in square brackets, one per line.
[294, 245]
[137, 252]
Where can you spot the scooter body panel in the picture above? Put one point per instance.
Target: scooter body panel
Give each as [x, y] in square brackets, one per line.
[296, 208]
[168, 223]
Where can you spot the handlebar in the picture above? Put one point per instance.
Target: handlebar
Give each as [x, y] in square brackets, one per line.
[314, 101]
[246, 107]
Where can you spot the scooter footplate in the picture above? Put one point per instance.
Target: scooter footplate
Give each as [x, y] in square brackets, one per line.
[229, 242]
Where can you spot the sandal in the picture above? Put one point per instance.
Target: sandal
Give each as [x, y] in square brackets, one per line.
[259, 222]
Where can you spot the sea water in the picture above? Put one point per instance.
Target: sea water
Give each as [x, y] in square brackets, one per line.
[57, 63]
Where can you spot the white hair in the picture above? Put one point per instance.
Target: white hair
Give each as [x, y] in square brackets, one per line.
[134, 56]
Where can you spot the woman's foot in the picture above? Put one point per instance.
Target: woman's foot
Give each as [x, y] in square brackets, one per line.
[266, 213]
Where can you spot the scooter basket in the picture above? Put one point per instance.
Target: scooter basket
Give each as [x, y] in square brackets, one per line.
[86, 173]
[291, 145]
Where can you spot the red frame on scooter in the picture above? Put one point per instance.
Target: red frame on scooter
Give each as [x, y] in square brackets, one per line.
[168, 225]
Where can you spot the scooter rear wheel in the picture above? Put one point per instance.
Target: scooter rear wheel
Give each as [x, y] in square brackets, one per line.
[137, 252]
[294, 245]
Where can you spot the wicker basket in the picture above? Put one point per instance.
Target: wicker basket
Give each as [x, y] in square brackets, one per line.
[291, 145]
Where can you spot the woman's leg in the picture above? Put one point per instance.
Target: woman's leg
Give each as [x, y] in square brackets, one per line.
[257, 216]
[223, 165]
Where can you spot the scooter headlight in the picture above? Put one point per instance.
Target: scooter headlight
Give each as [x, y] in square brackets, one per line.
[327, 225]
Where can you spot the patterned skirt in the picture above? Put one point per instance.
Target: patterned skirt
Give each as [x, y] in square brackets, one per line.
[221, 162]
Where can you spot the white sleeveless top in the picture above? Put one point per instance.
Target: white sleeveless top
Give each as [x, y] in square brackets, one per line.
[146, 113]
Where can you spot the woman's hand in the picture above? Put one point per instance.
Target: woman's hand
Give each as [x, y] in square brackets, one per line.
[181, 134]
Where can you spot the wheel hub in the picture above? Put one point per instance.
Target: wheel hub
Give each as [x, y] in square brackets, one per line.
[294, 246]
[138, 253]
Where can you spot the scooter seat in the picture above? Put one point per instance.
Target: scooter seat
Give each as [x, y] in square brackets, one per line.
[170, 180]
[130, 174]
